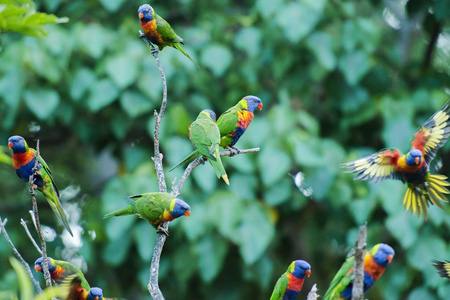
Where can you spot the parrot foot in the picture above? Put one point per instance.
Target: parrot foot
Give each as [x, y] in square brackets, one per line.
[162, 230]
[154, 51]
[141, 34]
[233, 151]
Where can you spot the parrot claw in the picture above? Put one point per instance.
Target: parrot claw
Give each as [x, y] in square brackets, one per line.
[141, 34]
[154, 51]
[162, 230]
[233, 151]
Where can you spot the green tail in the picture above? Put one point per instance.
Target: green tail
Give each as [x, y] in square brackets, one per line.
[129, 210]
[178, 46]
[218, 166]
[53, 199]
[186, 159]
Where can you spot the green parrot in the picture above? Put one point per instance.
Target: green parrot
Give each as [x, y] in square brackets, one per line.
[159, 31]
[290, 283]
[155, 208]
[60, 270]
[205, 137]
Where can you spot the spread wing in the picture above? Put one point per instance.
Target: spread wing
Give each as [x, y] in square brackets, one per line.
[433, 134]
[376, 167]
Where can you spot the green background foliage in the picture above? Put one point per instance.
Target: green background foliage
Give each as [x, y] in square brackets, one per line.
[338, 79]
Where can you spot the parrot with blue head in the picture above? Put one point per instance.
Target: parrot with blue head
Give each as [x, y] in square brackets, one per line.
[290, 283]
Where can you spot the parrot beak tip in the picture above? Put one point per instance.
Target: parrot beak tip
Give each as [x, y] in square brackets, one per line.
[10, 145]
[389, 257]
[141, 15]
[260, 106]
[37, 268]
[187, 213]
[417, 160]
[308, 273]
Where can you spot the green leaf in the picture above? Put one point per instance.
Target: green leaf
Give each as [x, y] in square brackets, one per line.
[205, 177]
[217, 58]
[321, 44]
[116, 251]
[274, 163]
[112, 5]
[26, 288]
[430, 247]
[134, 104]
[404, 228]
[354, 66]
[93, 39]
[41, 102]
[421, 293]
[278, 193]
[248, 39]
[198, 223]
[211, 250]
[84, 78]
[268, 7]
[102, 94]
[122, 69]
[145, 237]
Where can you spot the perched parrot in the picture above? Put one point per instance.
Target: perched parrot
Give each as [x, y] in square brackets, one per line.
[24, 160]
[155, 208]
[60, 270]
[443, 268]
[159, 31]
[290, 283]
[412, 168]
[375, 262]
[233, 123]
[205, 137]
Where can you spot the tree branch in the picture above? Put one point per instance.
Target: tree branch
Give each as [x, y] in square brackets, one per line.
[22, 222]
[48, 280]
[312, 295]
[17, 254]
[358, 267]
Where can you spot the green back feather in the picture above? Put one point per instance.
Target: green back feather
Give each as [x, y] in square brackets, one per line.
[340, 281]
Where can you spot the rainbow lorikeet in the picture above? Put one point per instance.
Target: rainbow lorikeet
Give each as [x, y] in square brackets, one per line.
[75, 291]
[205, 137]
[412, 168]
[235, 121]
[60, 270]
[290, 283]
[155, 208]
[443, 268]
[159, 31]
[375, 262]
[24, 160]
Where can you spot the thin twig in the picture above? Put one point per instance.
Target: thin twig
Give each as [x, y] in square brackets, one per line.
[17, 254]
[312, 295]
[24, 224]
[48, 280]
[358, 267]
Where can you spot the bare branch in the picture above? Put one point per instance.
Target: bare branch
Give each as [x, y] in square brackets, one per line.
[358, 267]
[48, 280]
[17, 254]
[312, 295]
[24, 224]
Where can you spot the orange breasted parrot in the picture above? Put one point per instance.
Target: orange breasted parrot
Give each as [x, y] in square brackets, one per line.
[205, 137]
[24, 159]
[159, 31]
[290, 283]
[77, 292]
[412, 168]
[155, 208]
[443, 268]
[233, 122]
[375, 262]
[60, 270]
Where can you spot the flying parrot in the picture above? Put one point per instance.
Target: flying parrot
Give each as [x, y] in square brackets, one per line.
[443, 268]
[233, 122]
[290, 283]
[60, 270]
[155, 208]
[412, 168]
[159, 31]
[375, 262]
[24, 159]
[205, 137]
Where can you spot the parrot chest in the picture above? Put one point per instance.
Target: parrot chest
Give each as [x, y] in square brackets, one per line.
[413, 174]
[25, 170]
[150, 30]
[293, 288]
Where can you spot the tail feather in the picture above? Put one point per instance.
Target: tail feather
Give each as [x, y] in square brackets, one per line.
[186, 159]
[53, 199]
[218, 167]
[129, 210]
[178, 46]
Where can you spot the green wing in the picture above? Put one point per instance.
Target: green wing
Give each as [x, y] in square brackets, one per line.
[165, 30]
[228, 120]
[188, 158]
[71, 270]
[340, 281]
[280, 287]
[205, 134]
[151, 206]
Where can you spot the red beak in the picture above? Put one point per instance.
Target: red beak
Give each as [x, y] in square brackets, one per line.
[37, 268]
[141, 15]
[187, 213]
[308, 273]
[10, 144]
[417, 159]
[389, 257]
[96, 297]
[259, 106]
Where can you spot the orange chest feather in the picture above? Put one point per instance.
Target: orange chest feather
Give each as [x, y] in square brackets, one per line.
[21, 159]
[150, 29]
[245, 118]
[402, 166]
[294, 283]
[372, 268]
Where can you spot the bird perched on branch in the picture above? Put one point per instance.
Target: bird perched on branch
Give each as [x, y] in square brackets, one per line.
[60, 270]
[159, 31]
[443, 268]
[290, 283]
[75, 290]
[24, 160]
[412, 168]
[155, 208]
[235, 121]
[205, 137]
[375, 262]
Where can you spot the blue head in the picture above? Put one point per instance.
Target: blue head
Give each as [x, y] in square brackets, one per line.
[146, 13]
[300, 268]
[179, 208]
[95, 293]
[39, 265]
[211, 114]
[414, 157]
[382, 254]
[17, 144]
[253, 103]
